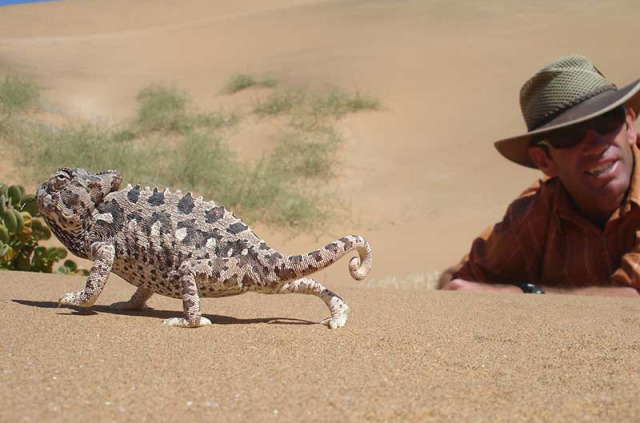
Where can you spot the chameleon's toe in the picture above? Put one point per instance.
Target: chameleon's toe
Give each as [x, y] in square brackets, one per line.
[180, 322]
[74, 299]
[339, 314]
[335, 322]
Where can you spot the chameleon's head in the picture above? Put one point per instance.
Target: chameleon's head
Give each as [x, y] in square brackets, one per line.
[70, 196]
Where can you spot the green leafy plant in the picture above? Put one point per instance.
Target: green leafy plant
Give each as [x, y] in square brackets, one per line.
[21, 232]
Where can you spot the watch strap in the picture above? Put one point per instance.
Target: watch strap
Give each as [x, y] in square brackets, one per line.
[530, 288]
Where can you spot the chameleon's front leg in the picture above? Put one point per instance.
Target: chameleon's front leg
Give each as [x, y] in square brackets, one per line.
[190, 301]
[103, 255]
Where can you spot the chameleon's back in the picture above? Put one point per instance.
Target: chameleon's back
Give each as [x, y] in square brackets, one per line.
[155, 231]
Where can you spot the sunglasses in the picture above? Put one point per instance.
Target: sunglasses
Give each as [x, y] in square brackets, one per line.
[571, 136]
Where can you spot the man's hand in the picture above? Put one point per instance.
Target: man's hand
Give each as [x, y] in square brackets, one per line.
[602, 291]
[462, 285]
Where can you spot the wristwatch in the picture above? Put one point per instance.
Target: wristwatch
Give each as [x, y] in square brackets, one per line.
[530, 288]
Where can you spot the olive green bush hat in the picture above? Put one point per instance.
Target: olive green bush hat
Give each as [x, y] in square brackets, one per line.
[568, 91]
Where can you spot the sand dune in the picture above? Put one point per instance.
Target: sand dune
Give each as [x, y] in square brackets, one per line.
[420, 177]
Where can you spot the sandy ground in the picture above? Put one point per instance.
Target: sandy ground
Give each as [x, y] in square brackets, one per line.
[420, 177]
[405, 355]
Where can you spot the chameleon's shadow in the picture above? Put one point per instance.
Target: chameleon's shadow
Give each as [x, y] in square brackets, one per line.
[160, 314]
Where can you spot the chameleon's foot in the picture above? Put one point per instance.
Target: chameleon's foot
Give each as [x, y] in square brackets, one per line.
[75, 299]
[128, 305]
[338, 318]
[184, 323]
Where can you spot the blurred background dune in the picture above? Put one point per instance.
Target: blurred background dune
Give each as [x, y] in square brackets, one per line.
[419, 178]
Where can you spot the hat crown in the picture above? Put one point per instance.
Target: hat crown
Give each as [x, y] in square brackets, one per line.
[559, 86]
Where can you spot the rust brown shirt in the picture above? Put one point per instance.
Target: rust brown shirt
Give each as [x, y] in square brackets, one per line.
[543, 239]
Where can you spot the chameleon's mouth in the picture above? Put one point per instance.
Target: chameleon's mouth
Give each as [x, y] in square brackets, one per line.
[44, 201]
[48, 205]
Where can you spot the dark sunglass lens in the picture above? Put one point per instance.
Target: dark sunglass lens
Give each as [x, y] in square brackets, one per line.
[609, 121]
[566, 137]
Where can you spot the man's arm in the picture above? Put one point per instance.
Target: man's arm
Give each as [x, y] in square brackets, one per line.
[463, 285]
[608, 291]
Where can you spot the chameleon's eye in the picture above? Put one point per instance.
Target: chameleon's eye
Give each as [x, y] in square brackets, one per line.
[60, 181]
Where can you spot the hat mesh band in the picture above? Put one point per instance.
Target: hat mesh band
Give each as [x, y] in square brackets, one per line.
[558, 87]
[569, 104]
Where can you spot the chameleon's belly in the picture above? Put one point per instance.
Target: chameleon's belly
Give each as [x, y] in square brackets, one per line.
[161, 281]
[166, 281]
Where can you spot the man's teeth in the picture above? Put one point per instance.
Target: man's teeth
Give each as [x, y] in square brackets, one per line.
[598, 170]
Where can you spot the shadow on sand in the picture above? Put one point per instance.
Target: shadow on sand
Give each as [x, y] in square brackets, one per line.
[161, 314]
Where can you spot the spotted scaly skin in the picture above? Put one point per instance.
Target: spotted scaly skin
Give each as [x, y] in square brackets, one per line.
[179, 246]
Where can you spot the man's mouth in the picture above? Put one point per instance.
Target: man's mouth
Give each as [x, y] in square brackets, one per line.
[597, 170]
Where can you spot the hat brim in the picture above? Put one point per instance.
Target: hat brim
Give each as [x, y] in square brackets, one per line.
[516, 148]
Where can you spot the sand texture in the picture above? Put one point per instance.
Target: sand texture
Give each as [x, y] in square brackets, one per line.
[405, 355]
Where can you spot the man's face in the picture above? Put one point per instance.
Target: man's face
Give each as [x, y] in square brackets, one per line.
[597, 171]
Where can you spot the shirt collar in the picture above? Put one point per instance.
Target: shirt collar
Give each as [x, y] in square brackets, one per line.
[633, 197]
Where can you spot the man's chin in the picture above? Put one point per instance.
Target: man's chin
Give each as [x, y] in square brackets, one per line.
[611, 193]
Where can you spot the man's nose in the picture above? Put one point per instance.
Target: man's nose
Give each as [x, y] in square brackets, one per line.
[595, 142]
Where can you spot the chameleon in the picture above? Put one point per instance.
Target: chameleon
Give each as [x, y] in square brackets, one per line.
[178, 245]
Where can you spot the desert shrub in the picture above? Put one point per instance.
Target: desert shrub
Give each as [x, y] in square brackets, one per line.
[260, 190]
[279, 102]
[338, 103]
[162, 109]
[18, 94]
[165, 109]
[170, 144]
[242, 81]
[88, 145]
[21, 233]
[303, 155]
[204, 163]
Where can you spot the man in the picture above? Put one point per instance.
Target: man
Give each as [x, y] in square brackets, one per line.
[578, 230]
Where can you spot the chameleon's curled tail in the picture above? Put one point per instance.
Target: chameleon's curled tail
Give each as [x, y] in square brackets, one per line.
[360, 266]
[293, 267]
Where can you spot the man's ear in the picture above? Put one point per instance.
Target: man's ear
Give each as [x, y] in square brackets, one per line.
[631, 126]
[541, 158]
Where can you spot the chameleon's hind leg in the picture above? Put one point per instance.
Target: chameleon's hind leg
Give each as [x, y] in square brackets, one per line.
[190, 300]
[338, 308]
[137, 302]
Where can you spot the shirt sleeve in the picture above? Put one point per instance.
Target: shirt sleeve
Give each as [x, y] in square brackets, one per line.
[506, 252]
[629, 271]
